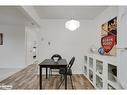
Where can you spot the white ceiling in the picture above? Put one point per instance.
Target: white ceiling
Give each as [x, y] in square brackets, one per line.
[67, 12]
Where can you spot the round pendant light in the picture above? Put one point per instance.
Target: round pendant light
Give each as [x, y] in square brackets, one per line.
[72, 25]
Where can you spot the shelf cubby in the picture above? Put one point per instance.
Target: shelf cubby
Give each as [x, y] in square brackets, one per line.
[85, 70]
[99, 82]
[90, 62]
[91, 75]
[110, 87]
[85, 59]
[99, 67]
[112, 73]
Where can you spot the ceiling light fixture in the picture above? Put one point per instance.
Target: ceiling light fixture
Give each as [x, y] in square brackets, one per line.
[72, 25]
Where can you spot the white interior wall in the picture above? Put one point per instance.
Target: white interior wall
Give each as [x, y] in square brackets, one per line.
[31, 41]
[16, 51]
[108, 14]
[65, 42]
[12, 52]
[102, 18]
[122, 52]
[77, 43]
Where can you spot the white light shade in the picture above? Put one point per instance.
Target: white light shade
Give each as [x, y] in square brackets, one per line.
[72, 25]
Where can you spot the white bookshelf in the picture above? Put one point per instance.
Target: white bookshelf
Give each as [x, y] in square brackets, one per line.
[98, 70]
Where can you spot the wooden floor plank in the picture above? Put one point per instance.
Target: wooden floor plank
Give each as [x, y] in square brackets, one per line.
[28, 78]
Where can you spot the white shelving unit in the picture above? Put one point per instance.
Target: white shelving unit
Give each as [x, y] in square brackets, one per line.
[101, 71]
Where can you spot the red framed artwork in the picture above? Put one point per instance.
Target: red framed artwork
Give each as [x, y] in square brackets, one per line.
[1, 38]
[109, 36]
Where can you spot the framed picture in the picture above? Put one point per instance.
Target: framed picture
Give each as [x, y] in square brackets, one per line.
[1, 38]
[109, 36]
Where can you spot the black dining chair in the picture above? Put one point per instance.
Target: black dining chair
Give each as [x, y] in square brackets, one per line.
[62, 72]
[56, 58]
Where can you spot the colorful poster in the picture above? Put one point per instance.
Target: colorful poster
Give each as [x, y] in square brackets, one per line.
[109, 36]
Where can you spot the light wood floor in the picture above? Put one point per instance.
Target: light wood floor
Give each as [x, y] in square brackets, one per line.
[29, 79]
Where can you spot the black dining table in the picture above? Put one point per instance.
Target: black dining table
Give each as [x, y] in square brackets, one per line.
[49, 63]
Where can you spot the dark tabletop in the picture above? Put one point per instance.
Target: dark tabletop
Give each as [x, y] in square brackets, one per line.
[51, 62]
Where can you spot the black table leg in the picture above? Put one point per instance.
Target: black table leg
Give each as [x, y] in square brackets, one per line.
[40, 77]
[65, 76]
[46, 72]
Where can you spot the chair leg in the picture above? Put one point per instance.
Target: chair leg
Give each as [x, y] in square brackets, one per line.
[61, 83]
[61, 77]
[71, 82]
[49, 73]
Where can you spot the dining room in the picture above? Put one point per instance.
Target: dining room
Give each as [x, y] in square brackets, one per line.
[62, 47]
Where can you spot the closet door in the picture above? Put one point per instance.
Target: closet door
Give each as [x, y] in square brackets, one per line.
[122, 46]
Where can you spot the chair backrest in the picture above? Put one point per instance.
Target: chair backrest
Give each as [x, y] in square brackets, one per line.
[71, 63]
[56, 56]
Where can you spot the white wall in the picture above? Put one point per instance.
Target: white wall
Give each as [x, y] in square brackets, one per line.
[65, 42]
[12, 52]
[102, 18]
[31, 41]
[122, 53]
[77, 43]
[121, 57]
